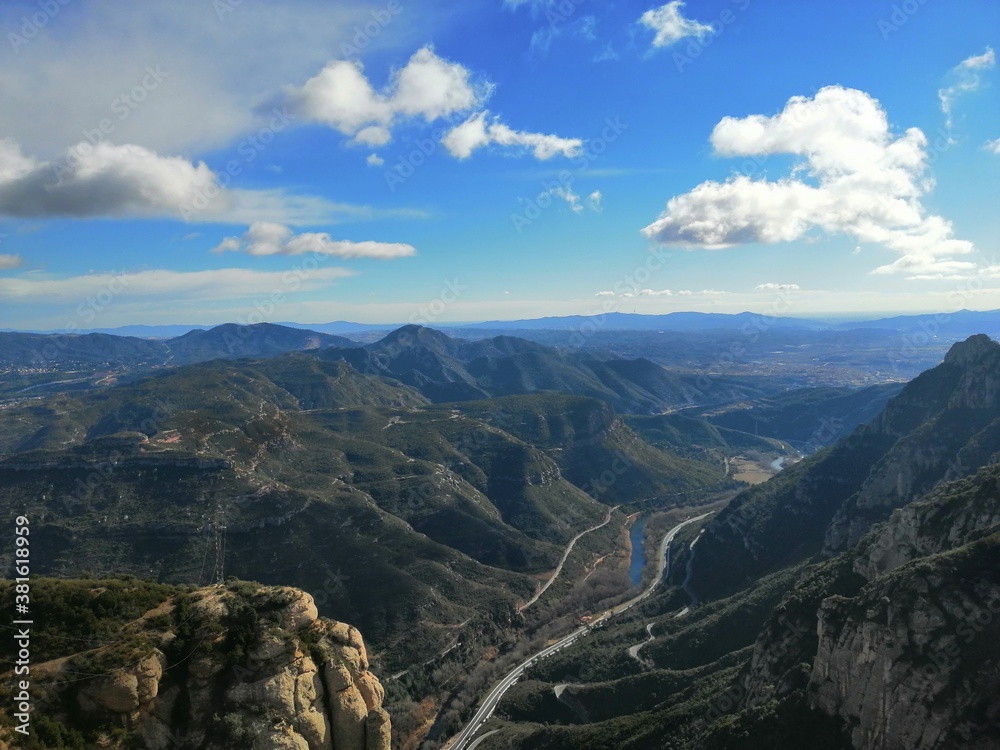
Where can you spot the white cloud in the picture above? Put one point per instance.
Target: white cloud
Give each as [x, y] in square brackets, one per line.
[214, 284]
[993, 146]
[567, 194]
[772, 287]
[11, 261]
[595, 201]
[670, 25]
[863, 181]
[105, 180]
[269, 238]
[662, 293]
[101, 180]
[476, 132]
[342, 97]
[965, 79]
[374, 160]
[67, 78]
[986, 60]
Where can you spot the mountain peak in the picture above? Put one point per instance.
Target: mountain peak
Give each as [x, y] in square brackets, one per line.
[972, 349]
[412, 334]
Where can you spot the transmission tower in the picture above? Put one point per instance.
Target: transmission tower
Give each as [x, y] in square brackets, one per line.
[219, 524]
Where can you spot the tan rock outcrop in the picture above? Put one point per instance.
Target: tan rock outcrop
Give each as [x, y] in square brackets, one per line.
[258, 663]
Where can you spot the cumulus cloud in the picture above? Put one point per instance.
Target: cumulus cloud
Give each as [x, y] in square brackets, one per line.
[993, 146]
[270, 238]
[596, 201]
[965, 79]
[10, 261]
[772, 287]
[670, 25]
[863, 181]
[477, 132]
[374, 160]
[129, 181]
[342, 97]
[100, 180]
[215, 284]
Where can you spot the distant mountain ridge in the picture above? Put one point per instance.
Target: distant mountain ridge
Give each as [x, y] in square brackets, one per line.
[446, 369]
[98, 350]
[952, 323]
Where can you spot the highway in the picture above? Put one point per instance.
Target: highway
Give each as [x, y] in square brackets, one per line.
[491, 701]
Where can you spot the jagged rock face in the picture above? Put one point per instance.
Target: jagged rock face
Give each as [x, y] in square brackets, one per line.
[942, 426]
[909, 664]
[897, 636]
[948, 424]
[952, 515]
[254, 665]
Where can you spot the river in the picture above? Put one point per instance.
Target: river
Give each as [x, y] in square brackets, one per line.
[638, 563]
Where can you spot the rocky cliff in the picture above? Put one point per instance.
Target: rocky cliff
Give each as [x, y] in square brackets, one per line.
[239, 665]
[944, 425]
[897, 637]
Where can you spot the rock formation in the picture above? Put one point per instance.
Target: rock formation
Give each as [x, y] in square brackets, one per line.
[236, 665]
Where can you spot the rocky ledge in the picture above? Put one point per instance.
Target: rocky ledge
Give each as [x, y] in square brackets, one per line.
[235, 665]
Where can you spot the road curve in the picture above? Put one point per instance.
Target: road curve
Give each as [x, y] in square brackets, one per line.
[492, 699]
[559, 567]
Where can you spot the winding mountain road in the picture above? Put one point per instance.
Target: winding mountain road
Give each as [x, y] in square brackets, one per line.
[492, 699]
[559, 567]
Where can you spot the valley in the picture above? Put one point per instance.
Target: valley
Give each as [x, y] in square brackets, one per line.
[532, 556]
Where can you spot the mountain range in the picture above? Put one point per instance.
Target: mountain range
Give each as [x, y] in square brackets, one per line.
[422, 487]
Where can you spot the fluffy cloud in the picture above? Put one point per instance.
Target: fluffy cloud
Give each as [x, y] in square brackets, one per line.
[477, 132]
[374, 160]
[215, 284]
[596, 201]
[101, 180]
[993, 146]
[772, 287]
[670, 25]
[269, 238]
[965, 79]
[10, 261]
[342, 97]
[864, 182]
[105, 180]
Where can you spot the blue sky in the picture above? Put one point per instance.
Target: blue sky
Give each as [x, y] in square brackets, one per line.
[415, 160]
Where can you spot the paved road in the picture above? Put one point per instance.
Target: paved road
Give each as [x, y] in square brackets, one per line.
[491, 701]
